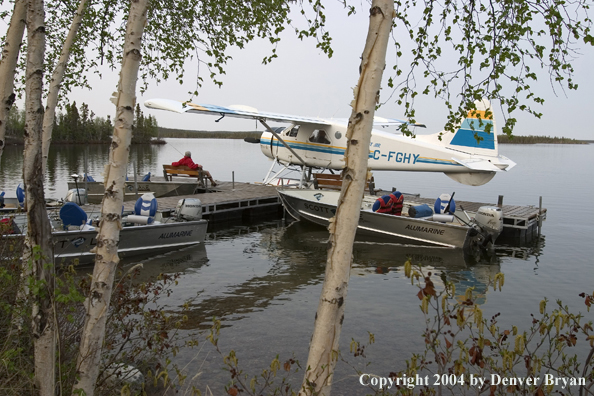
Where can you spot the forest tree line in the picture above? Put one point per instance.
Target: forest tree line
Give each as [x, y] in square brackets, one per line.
[504, 139]
[189, 134]
[79, 124]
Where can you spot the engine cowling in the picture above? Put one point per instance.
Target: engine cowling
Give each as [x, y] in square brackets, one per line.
[490, 220]
[189, 209]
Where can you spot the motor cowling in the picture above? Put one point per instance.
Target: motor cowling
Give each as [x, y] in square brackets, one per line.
[490, 220]
[189, 209]
[73, 196]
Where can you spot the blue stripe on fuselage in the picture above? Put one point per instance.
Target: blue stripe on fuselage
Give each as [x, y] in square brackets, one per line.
[318, 148]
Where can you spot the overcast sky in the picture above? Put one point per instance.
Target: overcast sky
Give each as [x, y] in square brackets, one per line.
[303, 81]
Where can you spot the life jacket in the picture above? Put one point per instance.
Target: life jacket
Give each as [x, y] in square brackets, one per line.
[397, 202]
[383, 205]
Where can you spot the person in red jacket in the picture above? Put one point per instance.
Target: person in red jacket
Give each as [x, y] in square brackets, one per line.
[187, 161]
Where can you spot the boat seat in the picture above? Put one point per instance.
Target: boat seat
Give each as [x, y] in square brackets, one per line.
[20, 193]
[145, 210]
[147, 177]
[146, 205]
[334, 182]
[72, 215]
[442, 202]
[169, 171]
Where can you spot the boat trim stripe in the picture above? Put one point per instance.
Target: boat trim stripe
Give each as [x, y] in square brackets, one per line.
[88, 253]
[384, 232]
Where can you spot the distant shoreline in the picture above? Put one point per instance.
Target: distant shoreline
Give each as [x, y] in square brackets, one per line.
[504, 139]
[186, 134]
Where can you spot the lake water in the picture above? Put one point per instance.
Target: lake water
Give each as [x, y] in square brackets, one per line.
[264, 281]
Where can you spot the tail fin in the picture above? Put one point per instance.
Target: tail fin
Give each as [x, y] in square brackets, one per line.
[478, 133]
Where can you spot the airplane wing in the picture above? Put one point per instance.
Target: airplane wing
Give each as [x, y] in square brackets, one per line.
[237, 111]
[381, 121]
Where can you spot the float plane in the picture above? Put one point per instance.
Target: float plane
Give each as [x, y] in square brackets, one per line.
[309, 143]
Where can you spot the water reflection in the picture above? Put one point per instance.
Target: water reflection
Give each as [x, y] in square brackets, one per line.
[371, 259]
[279, 260]
[66, 159]
[180, 261]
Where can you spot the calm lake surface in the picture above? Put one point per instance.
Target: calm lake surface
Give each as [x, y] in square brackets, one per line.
[264, 280]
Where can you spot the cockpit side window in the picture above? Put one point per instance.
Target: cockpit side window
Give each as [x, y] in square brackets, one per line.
[293, 132]
[319, 136]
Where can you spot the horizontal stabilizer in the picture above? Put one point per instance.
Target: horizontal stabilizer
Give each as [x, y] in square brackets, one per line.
[477, 164]
[506, 161]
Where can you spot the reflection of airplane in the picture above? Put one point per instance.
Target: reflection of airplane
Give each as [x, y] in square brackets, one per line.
[469, 156]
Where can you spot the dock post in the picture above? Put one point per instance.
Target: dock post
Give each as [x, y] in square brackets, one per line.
[232, 180]
[86, 173]
[500, 201]
[135, 183]
[539, 215]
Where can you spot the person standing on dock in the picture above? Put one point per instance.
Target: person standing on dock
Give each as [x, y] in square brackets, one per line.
[187, 161]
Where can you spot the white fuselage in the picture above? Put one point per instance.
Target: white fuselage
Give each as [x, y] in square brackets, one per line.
[387, 151]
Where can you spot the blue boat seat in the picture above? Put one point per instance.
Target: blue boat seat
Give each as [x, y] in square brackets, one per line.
[20, 193]
[146, 205]
[72, 215]
[88, 178]
[145, 210]
[147, 177]
[442, 202]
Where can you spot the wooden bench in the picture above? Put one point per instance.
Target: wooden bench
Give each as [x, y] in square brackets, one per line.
[169, 171]
[334, 182]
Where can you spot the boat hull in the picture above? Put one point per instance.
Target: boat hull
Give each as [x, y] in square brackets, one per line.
[319, 206]
[96, 190]
[134, 240]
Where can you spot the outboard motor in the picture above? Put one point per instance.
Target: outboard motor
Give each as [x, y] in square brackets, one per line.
[189, 209]
[490, 220]
[486, 227]
[78, 196]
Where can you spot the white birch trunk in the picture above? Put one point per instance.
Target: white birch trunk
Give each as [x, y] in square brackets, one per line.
[38, 227]
[10, 56]
[56, 82]
[323, 350]
[97, 305]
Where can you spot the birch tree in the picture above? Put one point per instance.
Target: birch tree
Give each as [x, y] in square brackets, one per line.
[323, 350]
[10, 56]
[97, 303]
[38, 252]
